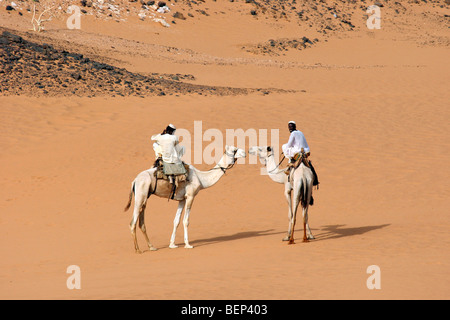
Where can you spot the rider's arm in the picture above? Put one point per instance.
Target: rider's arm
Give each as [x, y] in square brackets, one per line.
[156, 136]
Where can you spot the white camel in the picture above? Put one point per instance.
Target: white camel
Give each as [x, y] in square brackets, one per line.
[145, 185]
[299, 180]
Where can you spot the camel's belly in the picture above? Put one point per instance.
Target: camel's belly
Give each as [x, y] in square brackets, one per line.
[164, 190]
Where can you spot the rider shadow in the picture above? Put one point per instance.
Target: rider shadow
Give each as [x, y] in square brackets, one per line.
[236, 236]
[337, 231]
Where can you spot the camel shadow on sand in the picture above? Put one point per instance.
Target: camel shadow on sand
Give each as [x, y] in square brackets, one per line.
[325, 233]
[328, 232]
[231, 237]
[235, 236]
[338, 231]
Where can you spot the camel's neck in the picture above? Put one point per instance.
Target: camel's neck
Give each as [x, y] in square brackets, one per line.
[274, 173]
[209, 178]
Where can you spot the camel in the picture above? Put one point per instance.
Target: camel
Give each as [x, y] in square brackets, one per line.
[299, 180]
[144, 186]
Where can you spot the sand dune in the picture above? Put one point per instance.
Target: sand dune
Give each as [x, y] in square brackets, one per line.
[372, 104]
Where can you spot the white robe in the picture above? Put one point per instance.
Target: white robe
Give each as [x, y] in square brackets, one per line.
[296, 142]
[167, 147]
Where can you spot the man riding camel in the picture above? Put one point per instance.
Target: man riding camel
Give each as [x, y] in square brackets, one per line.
[169, 152]
[296, 142]
[295, 146]
[167, 145]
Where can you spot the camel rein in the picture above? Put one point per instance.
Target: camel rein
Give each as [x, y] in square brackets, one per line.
[224, 170]
[153, 190]
[270, 155]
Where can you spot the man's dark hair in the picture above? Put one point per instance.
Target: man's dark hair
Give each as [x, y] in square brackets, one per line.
[168, 130]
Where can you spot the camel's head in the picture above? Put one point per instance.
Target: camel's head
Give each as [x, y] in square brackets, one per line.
[235, 152]
[262, 152]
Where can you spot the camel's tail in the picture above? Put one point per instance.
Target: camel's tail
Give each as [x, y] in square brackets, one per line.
[130, 198]
[304, 193]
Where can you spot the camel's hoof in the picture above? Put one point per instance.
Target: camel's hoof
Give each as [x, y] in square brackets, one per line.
[173, 246]
[139, 252]
[153, 249]
[291, 242]
[305, 240]
[286, 238]
[188, 246]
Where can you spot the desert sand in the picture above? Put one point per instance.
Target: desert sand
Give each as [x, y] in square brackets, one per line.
[373, 105]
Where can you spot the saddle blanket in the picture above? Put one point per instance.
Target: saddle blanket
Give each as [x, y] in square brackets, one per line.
[173, 169]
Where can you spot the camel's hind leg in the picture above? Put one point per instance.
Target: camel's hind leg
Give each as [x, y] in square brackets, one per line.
[307, 234]
[293, 220]
[287, 194]
[139, 209]
[143, 229]
[305, 219]
[133, 222]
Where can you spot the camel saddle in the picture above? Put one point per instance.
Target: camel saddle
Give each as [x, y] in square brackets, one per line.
[300, 158]
[175, 173]
[164, 170]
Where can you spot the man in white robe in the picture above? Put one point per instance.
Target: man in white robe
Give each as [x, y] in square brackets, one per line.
[167, 145]
[296, 142]
[167, 148]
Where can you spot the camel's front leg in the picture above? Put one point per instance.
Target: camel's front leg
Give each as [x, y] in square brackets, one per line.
[189, 201]
[176, 222]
